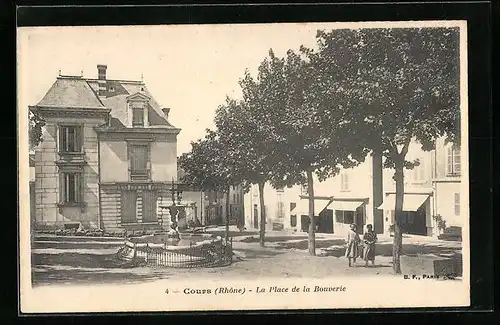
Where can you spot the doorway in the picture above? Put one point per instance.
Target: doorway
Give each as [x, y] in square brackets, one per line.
[255, 217]
[325, 222]
[414, 223]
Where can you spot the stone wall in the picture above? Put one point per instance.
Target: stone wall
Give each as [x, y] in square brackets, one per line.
[46, 179]
[47, 187]
[110, 208]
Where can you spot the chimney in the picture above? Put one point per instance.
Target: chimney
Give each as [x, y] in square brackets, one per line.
[166, 110]
[101, 76]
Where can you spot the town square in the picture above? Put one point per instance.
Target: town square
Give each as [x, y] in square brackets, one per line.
[233, 153]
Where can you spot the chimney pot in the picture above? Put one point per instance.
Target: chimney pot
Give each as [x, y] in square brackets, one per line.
[166, 110]
[101, 71]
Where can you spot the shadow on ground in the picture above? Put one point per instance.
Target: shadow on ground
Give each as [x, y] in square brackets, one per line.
[75, 245]
[42, 276]
[77, 260]
[272, 239]
[252, 253]
[303, 244]
[408, 249]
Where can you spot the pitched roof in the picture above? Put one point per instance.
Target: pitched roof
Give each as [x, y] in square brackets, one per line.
[116, 100]
[71, 92]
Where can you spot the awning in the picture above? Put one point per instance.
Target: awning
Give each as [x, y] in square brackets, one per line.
[302, 207]
[411, 202]
[346, 205]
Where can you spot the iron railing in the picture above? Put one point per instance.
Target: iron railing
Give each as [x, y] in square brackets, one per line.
[213, 253]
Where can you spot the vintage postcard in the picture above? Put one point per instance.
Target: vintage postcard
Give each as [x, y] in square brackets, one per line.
[243, 167]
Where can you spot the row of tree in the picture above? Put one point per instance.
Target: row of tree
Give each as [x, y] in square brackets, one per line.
[314, 112]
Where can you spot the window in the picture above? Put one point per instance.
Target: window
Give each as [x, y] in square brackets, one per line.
[139, 160]
[457, 204]
[346, 217]
[71, 191]
[418, 172]
[344, 182]
[303, 190]
[70, 138]
[234, 198]
[292, 206]
[137, 117]
[293, 221]
[454, 160]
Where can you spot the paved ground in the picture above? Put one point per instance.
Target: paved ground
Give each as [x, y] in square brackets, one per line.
[60, 260]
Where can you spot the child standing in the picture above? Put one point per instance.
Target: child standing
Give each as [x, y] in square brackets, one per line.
[369, 239]
[352, 245]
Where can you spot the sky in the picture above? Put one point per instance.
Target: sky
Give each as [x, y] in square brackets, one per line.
[189, 68]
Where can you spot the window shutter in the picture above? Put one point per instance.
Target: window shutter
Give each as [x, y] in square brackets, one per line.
[61, 188]
[457, 204]
[79, 139]
[456, 160]
[450, 160]
[62, 138]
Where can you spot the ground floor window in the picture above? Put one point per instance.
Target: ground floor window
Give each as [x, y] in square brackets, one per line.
[293, 221]
[71, 187]
[346, 217]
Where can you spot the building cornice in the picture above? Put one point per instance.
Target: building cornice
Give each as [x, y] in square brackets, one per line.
[446, 180]
[136, 131]
[57, 111]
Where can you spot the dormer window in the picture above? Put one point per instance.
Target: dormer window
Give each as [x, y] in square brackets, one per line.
[137, 117]
[138, 110]
[111, 89]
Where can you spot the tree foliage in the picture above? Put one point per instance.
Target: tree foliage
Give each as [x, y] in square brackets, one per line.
[36, 124]
[309, 128]
[405, 81]
[245, 145]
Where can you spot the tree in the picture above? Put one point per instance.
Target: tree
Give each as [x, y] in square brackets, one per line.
[36, 124]
[406, 83]
[205, 167]
[246, 148]
[311, 130]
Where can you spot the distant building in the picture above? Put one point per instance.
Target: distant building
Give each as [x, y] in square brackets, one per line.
[215, 207]
[366, 195]
[108, 156]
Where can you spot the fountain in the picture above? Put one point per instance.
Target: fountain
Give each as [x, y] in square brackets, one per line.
[175, 249]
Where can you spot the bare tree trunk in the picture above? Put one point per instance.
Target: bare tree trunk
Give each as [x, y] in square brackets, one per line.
[227, 213]
[311, 241]
[398, 211]
[262, 214]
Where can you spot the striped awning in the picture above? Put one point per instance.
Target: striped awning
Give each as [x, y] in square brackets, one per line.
[302, 207]
[411, 202]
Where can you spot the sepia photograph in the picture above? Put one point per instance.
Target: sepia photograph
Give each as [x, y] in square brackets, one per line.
[243, 166]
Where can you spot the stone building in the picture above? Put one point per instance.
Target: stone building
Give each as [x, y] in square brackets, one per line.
[107, 157]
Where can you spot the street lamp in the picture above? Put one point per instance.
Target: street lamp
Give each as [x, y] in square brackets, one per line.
[173, 209]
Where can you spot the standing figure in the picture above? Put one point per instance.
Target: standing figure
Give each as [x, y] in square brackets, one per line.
[352, 249]
[369, 239]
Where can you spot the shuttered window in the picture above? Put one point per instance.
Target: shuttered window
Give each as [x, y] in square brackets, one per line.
[139, 161]
[454, 166]
[457, 203]
[70, 138]
[71, 187]
[137, 117]
[128, 206]
[149, 199]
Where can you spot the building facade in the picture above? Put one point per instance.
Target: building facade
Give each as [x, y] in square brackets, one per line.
[107, 157]
[366, 195]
